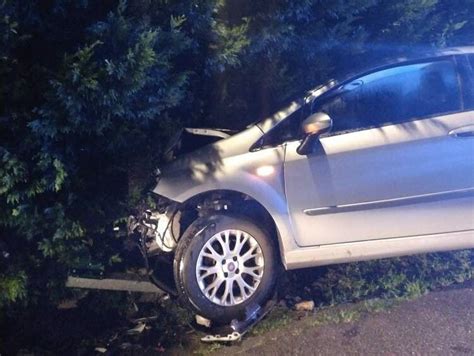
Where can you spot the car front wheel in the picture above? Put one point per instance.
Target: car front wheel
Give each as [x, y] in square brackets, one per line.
[223, 264]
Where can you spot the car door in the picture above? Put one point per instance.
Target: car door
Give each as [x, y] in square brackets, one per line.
[397, 163]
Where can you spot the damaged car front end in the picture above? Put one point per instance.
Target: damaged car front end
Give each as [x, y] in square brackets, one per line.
[209, 239]
[216, 232]
[157, 230]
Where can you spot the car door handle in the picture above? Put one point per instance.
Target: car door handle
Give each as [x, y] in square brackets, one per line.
[462, 132]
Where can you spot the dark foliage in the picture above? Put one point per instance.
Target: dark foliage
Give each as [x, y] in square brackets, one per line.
[90, 92]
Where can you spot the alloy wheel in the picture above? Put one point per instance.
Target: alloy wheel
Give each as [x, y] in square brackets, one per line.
[230, 267]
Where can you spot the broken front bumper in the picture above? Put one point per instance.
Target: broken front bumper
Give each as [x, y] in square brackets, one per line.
[158, 229]
[155, 232]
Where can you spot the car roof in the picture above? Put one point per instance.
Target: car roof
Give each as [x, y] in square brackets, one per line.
[377, 61]
[414, 53]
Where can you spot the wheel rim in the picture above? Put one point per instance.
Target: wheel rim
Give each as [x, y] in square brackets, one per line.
[230, 267]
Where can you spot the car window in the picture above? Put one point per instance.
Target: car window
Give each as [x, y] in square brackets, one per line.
[287, 130]
[469, 84]
[471, 60]
[394, 95]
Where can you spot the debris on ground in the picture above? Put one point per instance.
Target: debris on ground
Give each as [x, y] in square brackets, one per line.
[307, 305]
[67, 304]
[200, 320]
[144, 319]
[138, 329]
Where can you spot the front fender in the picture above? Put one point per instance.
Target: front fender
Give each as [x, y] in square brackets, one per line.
[256, 174]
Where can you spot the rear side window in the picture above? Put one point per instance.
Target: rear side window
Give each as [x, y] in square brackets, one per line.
[469, 83]
[471, 60]
[394, 95]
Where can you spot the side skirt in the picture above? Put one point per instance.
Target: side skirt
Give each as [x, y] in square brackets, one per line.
[375, 249]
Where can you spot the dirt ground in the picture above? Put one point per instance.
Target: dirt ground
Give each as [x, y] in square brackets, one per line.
[439, 323]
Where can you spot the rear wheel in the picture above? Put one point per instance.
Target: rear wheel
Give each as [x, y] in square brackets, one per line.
[224, 264]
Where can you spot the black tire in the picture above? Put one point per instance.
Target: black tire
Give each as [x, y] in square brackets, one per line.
[186, 258]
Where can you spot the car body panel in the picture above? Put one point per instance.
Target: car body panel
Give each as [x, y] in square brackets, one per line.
[397, 180]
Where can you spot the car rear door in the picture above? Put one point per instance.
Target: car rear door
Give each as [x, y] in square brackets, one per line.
[399, 161]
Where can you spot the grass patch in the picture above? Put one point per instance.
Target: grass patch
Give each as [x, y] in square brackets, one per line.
[207, 349]
[279, 317]
[334, 315]
[377, 305]
[404, 277]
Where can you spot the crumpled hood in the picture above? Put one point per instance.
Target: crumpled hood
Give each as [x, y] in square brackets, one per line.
[207, 160]
[190, 139]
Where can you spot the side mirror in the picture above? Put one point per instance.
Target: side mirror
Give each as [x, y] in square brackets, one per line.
[313, 126]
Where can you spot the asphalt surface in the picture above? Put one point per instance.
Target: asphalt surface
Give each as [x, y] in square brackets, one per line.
[439, 323]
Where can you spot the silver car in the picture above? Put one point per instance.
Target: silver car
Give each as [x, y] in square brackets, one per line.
[378, 165]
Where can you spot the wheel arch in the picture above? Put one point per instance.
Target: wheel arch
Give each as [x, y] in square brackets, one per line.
[243, 204]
